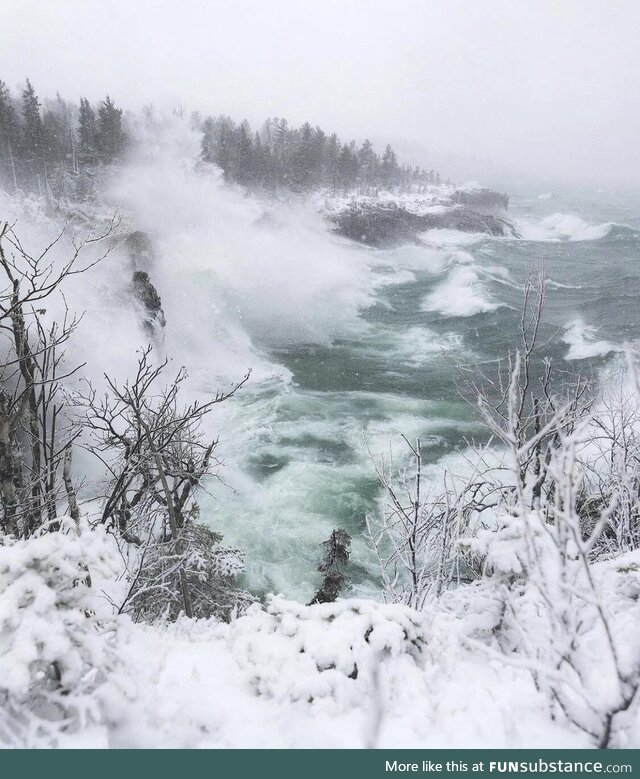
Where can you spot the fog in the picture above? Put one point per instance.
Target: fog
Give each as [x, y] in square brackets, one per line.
[545, 88]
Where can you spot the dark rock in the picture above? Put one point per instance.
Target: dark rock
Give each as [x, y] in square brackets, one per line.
[147, 297]
[387, 224]
[142, 256]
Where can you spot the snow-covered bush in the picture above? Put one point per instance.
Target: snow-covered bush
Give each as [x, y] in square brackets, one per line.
[561, 494]
[610, 461]
[210, 569]
[51, 656]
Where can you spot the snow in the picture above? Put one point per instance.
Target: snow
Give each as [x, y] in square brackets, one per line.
[434, 200]
[355, 673]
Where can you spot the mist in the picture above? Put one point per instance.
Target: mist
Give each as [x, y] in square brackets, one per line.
[542, 89]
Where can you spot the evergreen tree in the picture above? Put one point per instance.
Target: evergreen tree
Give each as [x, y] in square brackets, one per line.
[368, 167]
[243, 163]
[330, 162]
[389, 168]
[87, 132]
[223, 143]
[317, 156]
[262, 169]
[32, 124]
[302, 161]
[8, 136]
[347, 172]
[110, 136]
[336, 551]
[281, 151]
[208, 142]
[55, 139]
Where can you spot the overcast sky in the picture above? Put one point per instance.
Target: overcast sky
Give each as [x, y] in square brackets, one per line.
[540, 85]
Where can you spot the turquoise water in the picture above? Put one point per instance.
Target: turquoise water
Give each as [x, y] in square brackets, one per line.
[305, 468]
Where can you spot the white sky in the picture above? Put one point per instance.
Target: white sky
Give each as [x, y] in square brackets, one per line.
[541, 85]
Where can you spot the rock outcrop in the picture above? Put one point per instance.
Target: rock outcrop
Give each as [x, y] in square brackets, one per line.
[144, 293]
[388, 222]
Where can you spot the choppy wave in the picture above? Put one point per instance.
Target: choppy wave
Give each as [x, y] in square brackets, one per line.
[462, 293]
[583, 342]
[411, 348]
[551, 283]
[562, 227]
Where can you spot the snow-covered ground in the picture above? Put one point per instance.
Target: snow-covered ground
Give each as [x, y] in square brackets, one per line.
[351, 674]
[432, 199]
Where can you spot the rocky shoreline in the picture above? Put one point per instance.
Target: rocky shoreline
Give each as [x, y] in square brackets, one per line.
[387, 220]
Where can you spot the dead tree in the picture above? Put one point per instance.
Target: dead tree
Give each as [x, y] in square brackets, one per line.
[33, 434]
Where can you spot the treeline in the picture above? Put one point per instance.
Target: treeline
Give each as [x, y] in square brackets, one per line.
[44, 145]
[282, 157]
[42, 142]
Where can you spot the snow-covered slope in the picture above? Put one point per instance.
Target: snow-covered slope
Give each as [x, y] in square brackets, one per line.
[351, 674]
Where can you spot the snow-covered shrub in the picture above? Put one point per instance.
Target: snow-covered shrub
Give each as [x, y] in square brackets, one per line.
[158, 458]
[561, 495]
[329, 654]
[210, 569]
[562, 617]
[51, 656]
[610, 463]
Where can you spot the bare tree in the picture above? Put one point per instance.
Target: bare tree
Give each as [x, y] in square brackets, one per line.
[33, 438]
[524, 407]
[416, 537]
[157, 456]
[610, 461]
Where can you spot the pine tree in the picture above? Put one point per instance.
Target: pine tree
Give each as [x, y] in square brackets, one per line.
[32, 124]
[347, 173]
[317, 155]
[54, 138]
[243, 163]
[281, 151]
[87, 132]
[389, 168]
[302, 161]
[330, 163]
[368, 164]
[224, 146]
[336, 551]
[110, 135]
[8, 136]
